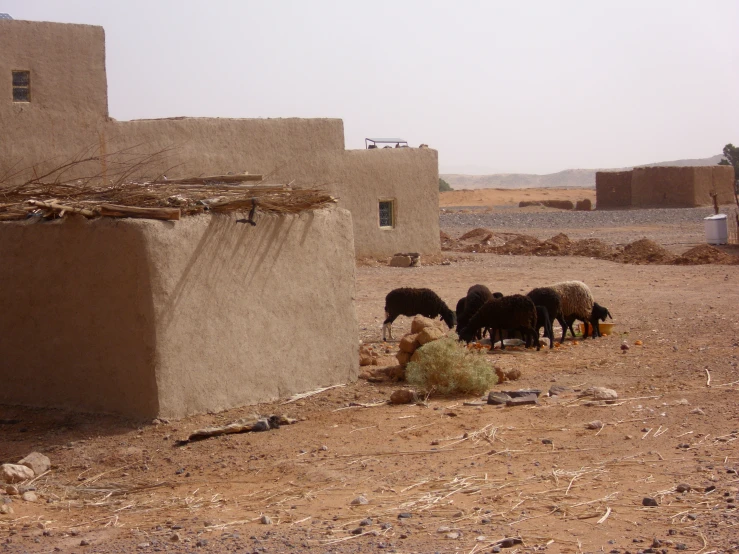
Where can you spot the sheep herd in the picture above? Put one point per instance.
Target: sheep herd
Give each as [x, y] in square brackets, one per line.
[481, 310]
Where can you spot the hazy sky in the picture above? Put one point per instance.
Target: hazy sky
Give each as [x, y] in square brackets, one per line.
[515, 86]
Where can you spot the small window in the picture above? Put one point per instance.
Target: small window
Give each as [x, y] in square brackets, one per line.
[21, 86]
[387, 214]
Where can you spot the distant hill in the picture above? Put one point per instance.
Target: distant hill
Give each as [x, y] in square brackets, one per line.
[574, 178]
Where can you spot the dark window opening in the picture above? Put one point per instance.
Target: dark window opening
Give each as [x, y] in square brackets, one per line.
[21, 86]
[387, 215]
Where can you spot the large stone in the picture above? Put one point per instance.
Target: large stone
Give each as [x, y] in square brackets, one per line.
[401, 261]
[523, 400]
[366, 359]
[13, 473]
[409, 343]
[429, 334]
[37, 462]
[403, 357]
[420, 322]
[498, 398]
[403, 396]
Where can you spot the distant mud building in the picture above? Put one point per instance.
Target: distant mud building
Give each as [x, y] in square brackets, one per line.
[664, 187]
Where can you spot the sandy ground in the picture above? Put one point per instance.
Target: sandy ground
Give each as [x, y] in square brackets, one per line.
[511, 197]
[441, 477]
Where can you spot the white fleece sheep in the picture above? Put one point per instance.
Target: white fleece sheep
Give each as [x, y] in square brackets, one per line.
[577, 303]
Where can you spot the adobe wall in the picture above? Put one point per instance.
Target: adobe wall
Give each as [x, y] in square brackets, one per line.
[612, 189]
[663, 187]
[150, 318]
[361, 178]
[722, 183]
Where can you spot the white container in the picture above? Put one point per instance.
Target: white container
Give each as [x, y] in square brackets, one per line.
[717, 231]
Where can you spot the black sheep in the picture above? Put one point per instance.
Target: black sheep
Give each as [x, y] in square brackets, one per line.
[410, 302]
[477, 295]
[552, 301]
[543, 320]
[510, 312]
[598, 314]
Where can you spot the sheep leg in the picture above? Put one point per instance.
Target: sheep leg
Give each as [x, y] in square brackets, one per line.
[563, 324]
[387, 325]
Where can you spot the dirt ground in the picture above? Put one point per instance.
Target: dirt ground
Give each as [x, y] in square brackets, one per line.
[453, 475]
[511, 197]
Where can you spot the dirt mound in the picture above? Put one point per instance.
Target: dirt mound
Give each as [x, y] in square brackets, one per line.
[644, 251]
[705, 254]
[592, 248]
[479, 234]
[443, 236]
[558, 245]
[519, 245]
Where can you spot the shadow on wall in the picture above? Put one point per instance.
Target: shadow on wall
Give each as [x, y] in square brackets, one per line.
[250, 254]
[78, 327]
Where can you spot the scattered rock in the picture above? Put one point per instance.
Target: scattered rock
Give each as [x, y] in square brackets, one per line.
[648, 501]
[400, 261]
[683, 487]
[512, 374]
[265, 520]
[596, 424]
[409, 343]
[13, 473]
[403, 396]
[556, 390]
[11, 490]
[522, 392]
[359, 501]
[29, 496]
[203, 542]
[697, 411]
[403, 359]
[175, 537]
[357, 531]
[6, 509]
[600, 393]
[547, 441]
[37, 462]
[365, 522]
[429, 334]
[498, 398]
[84, 542]
[509, 542]
[453, 535]
[405, 515]
[523, 400]
[444, 529]
[419, 323]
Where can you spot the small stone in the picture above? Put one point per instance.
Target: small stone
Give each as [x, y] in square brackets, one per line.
[405, 515]
[697, 411]
[36, 462]
[692, 517]
[547, 441]
[648, 501]
[556, 390]
[357, 531]
[596, 424]
[683, 487]
[443, 529]
[29, 496]
[386, 525]
[365, 522]
[142, 545]
[628, 437]
[681, 546]
[265, 520]
[324, 448]
[453, 535]
[84, 542]
[600, 393]
[359, 501]
[14, 473]
[201, 543]
[401, 261]
[485, 520]
[523, 401]
[403, 396]
[497, 398]
[175, 537]
[509, 542]
[6, 509]
[11, 490]
[710, 488]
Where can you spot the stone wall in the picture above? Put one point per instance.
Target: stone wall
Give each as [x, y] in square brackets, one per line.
[149, 318]
[612, 189]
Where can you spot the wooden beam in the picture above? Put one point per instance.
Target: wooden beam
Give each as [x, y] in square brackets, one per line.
[113, 210]
[239, 178]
